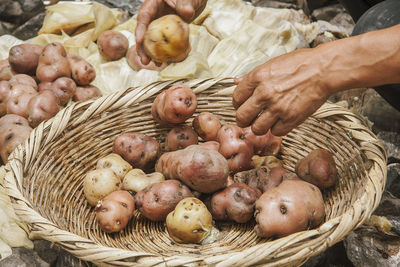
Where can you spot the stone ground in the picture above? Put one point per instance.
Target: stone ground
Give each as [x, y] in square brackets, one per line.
[367, 246]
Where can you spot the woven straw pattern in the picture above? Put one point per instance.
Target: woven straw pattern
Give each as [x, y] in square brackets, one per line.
[44, 180]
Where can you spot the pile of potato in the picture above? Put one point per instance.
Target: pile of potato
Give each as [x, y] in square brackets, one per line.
[206, 172]
[35, 83]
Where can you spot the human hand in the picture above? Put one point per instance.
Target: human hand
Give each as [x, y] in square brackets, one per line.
[188, 10]
[281, 93]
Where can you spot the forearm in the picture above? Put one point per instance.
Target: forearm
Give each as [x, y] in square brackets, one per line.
[366, 60]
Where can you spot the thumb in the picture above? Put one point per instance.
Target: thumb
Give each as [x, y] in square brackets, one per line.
[185, 9]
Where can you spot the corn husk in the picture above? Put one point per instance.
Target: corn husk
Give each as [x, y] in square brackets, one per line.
[6, 42]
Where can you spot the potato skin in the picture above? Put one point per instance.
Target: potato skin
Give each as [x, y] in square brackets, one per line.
[136, 64]
[11, 135]
[174, 105]
[266, 145]
[139, 149]
[83, 73]
[112, 45]
[53, 63]
[5, 89]
[13, 119]
[293, 206]
[318, 168]
[42, 107]
[214, 145]
[18, 99]
[236, 203]
[83, 93]
[180, 137]
[159, 199]
[198, 167]
[206, 126]
[6, 72]
[115, 210]
[24, 58]
[64, 88]
[23, 79]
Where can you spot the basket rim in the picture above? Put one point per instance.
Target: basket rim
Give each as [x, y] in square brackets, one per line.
[327, 234]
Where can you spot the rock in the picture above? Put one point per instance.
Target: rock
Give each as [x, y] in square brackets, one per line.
[334, 256]
[327, 12]
[344, 21]
[393, 174]
[132, 7]
[30, 28]
[18, 12]
[274, 4]
[6, 28]
[323, 38]
[391, 141]
[23, 257]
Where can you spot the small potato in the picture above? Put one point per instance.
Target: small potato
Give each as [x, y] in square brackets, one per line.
[206, 126]
[41, 107]
[174, 105]
[18, 99]
[97, 184]
[137, 180]
[83, 93]
[293, 206]
[157, 200]
[5, 89]
[268, 161]
[318, 168]
[136, 64]
[6, 72]
[235, 203]
[139, 149]
[114, 211]
[180, 137]
[23, 79]
[266, 145]
[11, 135]
[190, 222]
[167, 39]
[64, 88]
[24, 58]
[53, 63]
[112, 45]
[116, 163]
[83, 73]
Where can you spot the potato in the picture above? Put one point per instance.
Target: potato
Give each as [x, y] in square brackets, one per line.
[112, 45]
[268, 161]
[23, 79]
[293, 206]
[235, 203]
[83, 93]
[267, 144]
[13, 119]
[318, 168]
[41, 107]
[137, 180]
[180, 137]
[53, 63]
[167, 39]
[83, 73]
[24, 58]
[198, 167]
[18, 99]
[64, 88]
[5, 89]
[174, 105]
[11, 135]
[157, 200]
[6, 72]
[136, 64]
[235, 147]
[114, 211]
[116, 163]
[206, 126]
[214, 145]
[190, 222]
[139, 149]
[97, 184]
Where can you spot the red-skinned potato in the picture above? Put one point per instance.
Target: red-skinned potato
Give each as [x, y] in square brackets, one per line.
[83, 73]
[83, 93]
[139, 149]
[180, 137]
[53, 63]
[235, 203]
[159, 199]
[136, 64]
[206, 126]
[42, 107]
[18, 99]
[23, 79]
[214, 145]
[5, 89]
[114, 211]
[24, 58]
[267, 144]
[6, 72]
[293, 206]
[174, 105]
[318, 168]
[13, 119]
[64, 88]
[235, 147]
[11, 135]
[198, 167]
[112, 45]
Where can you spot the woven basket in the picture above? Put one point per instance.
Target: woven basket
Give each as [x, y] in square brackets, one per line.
[44, 180]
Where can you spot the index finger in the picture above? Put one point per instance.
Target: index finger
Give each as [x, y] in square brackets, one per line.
[243, 90]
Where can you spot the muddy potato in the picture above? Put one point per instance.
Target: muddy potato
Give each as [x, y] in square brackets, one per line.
[18, 99]
[11, 135]
[167, 39]
[116, 163]
[136, 180]
[206, 126]
[83, 73]
[112, 45]
[83, 93]
[53, 63]
[114, 211]
[41, 107]
[136, 64]
[97, 184]
[24, 58]
[180, 137]
[23, 79]
[189, 222]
